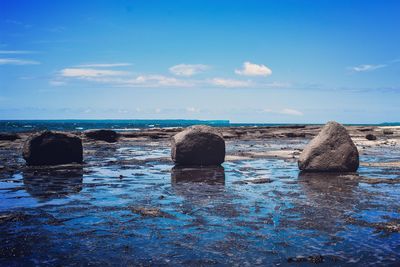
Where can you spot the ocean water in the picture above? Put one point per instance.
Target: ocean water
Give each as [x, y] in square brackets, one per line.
[122, 125]
[81, 125]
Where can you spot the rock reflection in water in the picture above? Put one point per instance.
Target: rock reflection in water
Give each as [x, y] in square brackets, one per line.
[198, 183]
[50, 184]
[330, 197]
[212, 175]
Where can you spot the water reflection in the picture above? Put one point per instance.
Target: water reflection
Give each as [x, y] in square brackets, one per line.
[199, 185]
[51, 184]
[212, 175]
[330, 198]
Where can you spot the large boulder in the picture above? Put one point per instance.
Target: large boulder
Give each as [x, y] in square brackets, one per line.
[52, 148]
[332, 150]
[198, 145]
[109, 136]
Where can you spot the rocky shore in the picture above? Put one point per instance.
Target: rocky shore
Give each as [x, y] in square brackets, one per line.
[257, 208]
[297, 135]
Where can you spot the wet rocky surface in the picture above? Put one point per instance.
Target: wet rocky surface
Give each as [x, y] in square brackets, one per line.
[128, 205]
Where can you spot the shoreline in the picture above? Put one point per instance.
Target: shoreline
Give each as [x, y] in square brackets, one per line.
[282, 142]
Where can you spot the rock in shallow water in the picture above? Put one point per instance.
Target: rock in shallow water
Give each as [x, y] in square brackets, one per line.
[332, 150]
[109, 136]
[53, 148]
[198, 145]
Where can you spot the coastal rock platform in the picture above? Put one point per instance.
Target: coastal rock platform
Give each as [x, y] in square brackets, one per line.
[127, 204]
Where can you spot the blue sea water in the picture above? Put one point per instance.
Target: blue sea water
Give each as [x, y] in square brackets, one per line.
[122, 125]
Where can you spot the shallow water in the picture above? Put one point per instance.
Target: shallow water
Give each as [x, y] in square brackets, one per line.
[147, 212]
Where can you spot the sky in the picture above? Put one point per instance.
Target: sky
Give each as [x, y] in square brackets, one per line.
[244, 61]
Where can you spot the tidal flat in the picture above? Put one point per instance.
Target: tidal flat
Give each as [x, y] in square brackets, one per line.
[129, 205]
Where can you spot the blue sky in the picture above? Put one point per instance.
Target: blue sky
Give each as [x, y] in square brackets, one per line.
[246, 61]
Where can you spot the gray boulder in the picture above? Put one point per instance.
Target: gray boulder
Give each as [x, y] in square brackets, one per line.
[198, 145]
[332, 150]
[52, 148]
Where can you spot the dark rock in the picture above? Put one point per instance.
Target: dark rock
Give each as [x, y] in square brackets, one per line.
[8, 136]
[151, 212]
[254, 181]
[198, 145]
[370, 137]
[53, 148]
[109, 136]
[332, 150]
[310, 259]
[294, 135]
[365, 129]
[387, 131]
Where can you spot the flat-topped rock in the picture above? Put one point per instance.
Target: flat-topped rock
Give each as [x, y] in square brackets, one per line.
[332, 150]
[52, 148]
[109, 136]
[198, 145]
[9, 136]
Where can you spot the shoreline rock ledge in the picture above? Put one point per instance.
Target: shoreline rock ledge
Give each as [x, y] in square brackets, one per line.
[105, 135]
[52, 148]
[332, 150]
[198, 145]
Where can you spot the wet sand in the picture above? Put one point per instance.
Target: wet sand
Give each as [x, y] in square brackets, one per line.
[127, 204]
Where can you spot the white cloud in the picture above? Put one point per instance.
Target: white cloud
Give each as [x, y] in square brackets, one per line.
[250, 69]
[289, 111]
[285, 111]
[13, 52]
[367, 67]
[192, 110]
[119, 78]
[15, 61]
[84, 73]
[277, 85]
[230, 83]
[188, 69]
[57, 83]
[156, 81]
[104, 65]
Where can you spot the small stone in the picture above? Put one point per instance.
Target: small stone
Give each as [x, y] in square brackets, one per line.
[370, 137]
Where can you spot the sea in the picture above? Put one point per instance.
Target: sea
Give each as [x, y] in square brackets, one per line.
[128, 125]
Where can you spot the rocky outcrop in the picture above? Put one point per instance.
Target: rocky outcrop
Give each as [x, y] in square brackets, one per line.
[109, 136]
[198, 145]
[53, 148]
[8, 136]
[332, 150]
